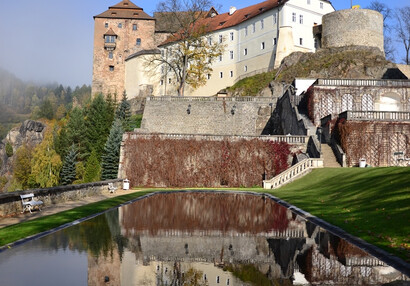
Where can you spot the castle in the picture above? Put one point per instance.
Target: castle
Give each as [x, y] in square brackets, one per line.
[256, 39]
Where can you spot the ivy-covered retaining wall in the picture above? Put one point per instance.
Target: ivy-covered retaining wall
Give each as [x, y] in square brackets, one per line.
[379, 143]
[152, 160]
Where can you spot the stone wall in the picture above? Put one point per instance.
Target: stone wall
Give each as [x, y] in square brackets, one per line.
[213, 115]
[353, 27]
[10, 203]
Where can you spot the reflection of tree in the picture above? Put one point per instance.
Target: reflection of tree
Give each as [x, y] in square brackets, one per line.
[249, 273]
[179, 277]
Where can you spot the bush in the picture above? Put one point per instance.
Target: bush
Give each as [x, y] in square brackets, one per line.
[9, 149]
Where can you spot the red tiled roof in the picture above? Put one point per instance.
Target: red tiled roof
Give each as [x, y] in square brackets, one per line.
[223, 21]
[125, 10]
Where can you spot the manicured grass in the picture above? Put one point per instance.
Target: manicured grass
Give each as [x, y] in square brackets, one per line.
[370, 203]
[18, 231]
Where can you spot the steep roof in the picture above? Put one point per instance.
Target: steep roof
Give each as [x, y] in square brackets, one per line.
[226, 20]
[125, 10]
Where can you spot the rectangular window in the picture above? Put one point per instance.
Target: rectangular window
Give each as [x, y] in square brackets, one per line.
[262, 24]
[221, 74]
[169, 80]
[138, 43]
[110, 55]
[245, 51]
[253, 28]
[262, 45]
[246, 31]
[231, 73]
[109, 39]
[321, 5]
[106, 25]
[231, 36]
[111, 68]
[245, 68]
[293, 17]
[275, 19]
[210, 41]
[221, 38]
[308, 2]
[120, 25]
[162, 69]
[301, 41]
[134, 27]
[161, 82]
[231, 54]
[220, 58]
[209, 76]
[275, 41]
[300, 19]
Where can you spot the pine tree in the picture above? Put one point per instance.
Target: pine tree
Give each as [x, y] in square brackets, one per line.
[124, 112]
[68, 171]
[111, 156]
[100, 115]
[76, 131]
[92, 168]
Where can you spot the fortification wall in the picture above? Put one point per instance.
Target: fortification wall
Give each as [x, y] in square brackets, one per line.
[198, 115]
[353, 27]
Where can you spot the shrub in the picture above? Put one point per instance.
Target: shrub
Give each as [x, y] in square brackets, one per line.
[9, 149]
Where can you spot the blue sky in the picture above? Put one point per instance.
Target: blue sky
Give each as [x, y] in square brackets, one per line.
[52, 40]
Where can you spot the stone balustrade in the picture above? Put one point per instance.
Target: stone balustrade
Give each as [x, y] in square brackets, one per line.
[363, 82]
[376, 115]
[290, 139]
[297, 170]
[213, 99]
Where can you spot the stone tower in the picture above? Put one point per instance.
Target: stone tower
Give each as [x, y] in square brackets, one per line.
[122, 30]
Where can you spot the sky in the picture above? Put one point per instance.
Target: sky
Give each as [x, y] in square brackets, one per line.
[51, 41]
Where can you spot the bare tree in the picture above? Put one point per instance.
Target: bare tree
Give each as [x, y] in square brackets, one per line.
[188, 53]
[403, 30]
[387, 12]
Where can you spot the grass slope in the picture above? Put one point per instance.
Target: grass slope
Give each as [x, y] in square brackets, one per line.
[370, 203]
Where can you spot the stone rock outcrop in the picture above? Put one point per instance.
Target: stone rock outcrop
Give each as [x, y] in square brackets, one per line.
[30, 132]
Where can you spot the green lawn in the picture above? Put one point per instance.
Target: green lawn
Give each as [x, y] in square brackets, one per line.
[370, 203]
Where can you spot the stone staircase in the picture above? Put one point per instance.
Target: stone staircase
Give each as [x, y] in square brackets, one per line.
[329, 158]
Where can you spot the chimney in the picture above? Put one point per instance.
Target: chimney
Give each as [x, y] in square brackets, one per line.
[232, 10]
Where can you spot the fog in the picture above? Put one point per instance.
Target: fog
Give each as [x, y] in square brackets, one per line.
[52, 41]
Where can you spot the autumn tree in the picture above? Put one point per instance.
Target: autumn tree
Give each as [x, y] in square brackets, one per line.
[187, 54]
[46, 163]
[22, 165]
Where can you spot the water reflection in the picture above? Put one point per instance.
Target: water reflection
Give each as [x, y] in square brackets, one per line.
[198, 239]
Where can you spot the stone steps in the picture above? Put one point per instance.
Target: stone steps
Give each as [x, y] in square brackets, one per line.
[329, 158]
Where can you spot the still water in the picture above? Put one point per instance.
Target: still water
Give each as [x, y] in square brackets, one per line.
[194, 239]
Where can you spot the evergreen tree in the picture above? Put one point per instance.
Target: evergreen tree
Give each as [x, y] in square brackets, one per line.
[98, 123]
[92, 168]
[111, 156]
[76, 131]
[68, 171]
[124, 112]
[46, 110]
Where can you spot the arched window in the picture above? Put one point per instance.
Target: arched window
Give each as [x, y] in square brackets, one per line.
[367, 102]
[327, 105]
[347, 102]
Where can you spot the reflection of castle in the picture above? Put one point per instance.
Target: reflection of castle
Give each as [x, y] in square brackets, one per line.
[171, 251]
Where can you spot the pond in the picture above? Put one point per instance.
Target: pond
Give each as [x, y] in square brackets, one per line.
[194, 238]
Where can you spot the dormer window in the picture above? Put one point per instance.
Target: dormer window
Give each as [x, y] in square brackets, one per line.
[110, 39]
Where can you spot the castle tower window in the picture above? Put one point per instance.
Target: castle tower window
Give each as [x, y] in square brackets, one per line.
[110, 55]
[293, 17]
[111, 68]
[106, 25]
[321, 5]
[262, 45]
[221, 74]
[134, 27]
[220, 58]
[138, 43]
[221, 38]
[300, 19]
[231, 36]
[231, 54]
[245, 51]
[231, 73]
[301, 41]
[109, 40]
[120, 25]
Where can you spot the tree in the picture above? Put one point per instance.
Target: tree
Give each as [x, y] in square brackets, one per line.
[46, 164]
[46, 110]
[76, 131]
[92, 168]
[68, 171]
[22, 165]
[124, 112]
[99, 117]
[9, 149]
[111, 156]
[189, 54]
[387, 13]
[403, 30]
